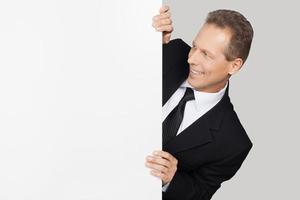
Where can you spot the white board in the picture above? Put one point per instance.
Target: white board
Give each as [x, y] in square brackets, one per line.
[80, 99]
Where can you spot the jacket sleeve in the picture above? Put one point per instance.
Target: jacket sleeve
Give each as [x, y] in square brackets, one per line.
[203, 182]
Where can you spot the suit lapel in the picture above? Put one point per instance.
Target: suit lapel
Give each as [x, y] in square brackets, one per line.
[200, 132]
[196, 134]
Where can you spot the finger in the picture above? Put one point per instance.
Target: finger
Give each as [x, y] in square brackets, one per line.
[159, 160]
[157, 167]
[164, 154]
[162, 16]
[162, 22]
[157, 171]
[163, 9]
[158, 174]
[166, 28]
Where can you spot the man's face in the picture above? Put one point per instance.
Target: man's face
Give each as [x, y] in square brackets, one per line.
[209, 69]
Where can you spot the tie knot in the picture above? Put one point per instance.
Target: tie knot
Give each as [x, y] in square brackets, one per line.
[188, 95]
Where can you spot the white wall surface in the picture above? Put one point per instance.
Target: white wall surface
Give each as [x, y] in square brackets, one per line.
[80, 99]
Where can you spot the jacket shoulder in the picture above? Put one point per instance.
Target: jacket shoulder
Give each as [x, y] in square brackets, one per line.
[177, 49]
[232, 136]
[175, 66]
[178, 42]
[175, 53]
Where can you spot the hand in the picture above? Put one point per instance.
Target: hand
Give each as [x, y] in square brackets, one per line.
[163, 165]
[163, 23]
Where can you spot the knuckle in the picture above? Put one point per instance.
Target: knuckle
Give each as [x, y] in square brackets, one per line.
[166, 21]
[166, 15]
[166, 163]
[167, 169]
[164, 169]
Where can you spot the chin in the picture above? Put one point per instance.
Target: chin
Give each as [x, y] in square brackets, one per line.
[198, 85]
[190, 81]
[193, 83]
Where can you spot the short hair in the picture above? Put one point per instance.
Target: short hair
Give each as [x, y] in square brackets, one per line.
[241, 30]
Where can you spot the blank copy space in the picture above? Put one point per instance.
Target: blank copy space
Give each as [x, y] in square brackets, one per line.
[80, 99]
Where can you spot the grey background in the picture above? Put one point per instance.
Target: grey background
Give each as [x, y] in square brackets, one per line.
[264, 94]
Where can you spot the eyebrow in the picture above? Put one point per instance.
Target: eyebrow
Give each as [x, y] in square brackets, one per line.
[195, 45]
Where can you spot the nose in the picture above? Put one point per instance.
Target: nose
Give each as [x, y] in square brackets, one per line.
[194, 57]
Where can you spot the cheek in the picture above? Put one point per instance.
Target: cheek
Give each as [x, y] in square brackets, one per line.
[215, 70]
[209, 69]
[220, 72]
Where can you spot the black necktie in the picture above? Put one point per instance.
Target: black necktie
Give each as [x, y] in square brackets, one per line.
[172, 123]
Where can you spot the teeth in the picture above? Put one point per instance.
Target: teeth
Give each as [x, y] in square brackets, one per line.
[196, 72]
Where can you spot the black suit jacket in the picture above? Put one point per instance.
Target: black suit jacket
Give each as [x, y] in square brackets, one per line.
[210, 150]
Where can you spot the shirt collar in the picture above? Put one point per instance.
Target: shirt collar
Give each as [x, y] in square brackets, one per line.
[205, 98]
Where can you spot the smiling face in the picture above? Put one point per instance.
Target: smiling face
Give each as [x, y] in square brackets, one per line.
[209, 69]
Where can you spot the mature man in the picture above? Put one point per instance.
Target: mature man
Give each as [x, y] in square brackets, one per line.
[204, 143]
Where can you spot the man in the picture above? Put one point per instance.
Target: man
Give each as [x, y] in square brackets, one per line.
[204, 143]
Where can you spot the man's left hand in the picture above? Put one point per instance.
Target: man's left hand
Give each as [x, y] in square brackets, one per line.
[163, 165]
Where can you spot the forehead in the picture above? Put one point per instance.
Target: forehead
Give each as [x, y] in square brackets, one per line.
[213, 38]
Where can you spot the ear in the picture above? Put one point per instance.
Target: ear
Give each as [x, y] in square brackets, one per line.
[235, 66]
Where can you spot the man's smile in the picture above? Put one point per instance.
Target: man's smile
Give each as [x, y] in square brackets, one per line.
[196, 72]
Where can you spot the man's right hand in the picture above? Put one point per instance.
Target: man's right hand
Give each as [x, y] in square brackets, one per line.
[163, 23]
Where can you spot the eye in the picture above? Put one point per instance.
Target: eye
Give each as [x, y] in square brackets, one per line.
[206, 55]
[193, 48]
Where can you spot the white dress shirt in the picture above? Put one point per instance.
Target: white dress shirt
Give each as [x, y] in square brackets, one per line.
[194, 109]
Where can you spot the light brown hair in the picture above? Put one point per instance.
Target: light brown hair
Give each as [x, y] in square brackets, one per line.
[241, 29]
